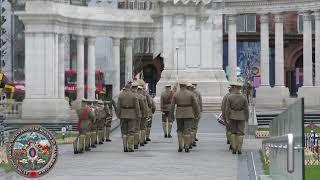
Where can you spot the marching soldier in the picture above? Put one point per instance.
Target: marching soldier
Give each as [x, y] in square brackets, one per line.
[108, 121]
[190, 87]
[144, 116]
[187, 109]
[129, 112]
[92, 133]
[84, 115]
[237, 113]
[165, 101]
[134, 87]
[199, 98]
[101, 118]
[223, 110]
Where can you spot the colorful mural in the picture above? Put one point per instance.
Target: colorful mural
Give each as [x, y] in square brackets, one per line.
[248, 61]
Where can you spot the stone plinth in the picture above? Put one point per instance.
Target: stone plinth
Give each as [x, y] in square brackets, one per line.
[267, 96]
[311, 95]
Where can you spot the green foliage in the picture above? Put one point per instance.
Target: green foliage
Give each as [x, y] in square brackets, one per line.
[312, 172]
[6, 166]
[307, 129]
[68, 134]
[265, 163]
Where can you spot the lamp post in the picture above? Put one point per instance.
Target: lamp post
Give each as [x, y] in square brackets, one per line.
[177, 50]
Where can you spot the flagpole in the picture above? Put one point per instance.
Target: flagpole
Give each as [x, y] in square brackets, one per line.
[177, 49]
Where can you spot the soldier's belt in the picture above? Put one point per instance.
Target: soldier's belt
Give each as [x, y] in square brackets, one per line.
[184, 105]
[123, 107]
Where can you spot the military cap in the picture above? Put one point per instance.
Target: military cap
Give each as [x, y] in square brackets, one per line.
[189, 85]
[235, 84]
[140, 87]
[183, 82]
[134, 84]
[168, 85]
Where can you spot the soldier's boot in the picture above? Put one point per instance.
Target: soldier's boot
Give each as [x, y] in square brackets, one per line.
[180, 141]
[76, 145]
[87, 142]
[81, 143]
[130, 143]
[142, 137]
[169, 130]
[100, 136]
[187, 142]
[233, 143]
[93, 138]
[108, 132]
[136, 140]
[240, 142]
[148, 134]
[124, 142]
[164, 127]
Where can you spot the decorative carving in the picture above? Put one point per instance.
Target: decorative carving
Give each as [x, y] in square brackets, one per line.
[179, 19]
[115, 41]
[307, 16]
[278, 18]
[317, 15]
[264, 18]
[91, 40]
[232, 19]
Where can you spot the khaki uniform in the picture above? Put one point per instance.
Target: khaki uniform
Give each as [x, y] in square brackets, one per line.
[107, 123]
[129, 111]
[151, 110]
[143, 111]
[165, 102]
[85, 115]
[187, 109]
[101, 118]
[223, 110]
[94, 125]
[237, 113]
[197, 120]
[144, 118]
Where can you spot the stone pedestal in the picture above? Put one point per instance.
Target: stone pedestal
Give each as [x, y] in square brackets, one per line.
[311, 95]
[272, 96]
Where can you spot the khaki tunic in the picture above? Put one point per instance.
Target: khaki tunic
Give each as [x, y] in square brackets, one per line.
[165, 100]
[237, 112]
[199, 98]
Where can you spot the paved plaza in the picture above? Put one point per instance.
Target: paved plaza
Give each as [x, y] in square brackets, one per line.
[158, 160]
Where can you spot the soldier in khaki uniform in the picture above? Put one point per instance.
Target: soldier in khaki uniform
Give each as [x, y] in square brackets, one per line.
[237, 113]
[187, 109]
[134, 89]
[223, 110]
[101, 118]
[144, 116]
[84, 115]
[190, 87]
[129, 112]
[165, 101]
[108, 121]
[94, 123]
[199, 97]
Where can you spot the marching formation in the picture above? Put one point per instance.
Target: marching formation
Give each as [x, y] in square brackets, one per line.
[135, 108]
[94, 124]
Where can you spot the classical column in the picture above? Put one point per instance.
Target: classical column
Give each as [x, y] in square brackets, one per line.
[61, 66]
[116, 61]
[80, 67]
[307, 49]
[232, 48]
[264, 51]
[91, 67]
[128, 56]
[317, 47]
[279, 57]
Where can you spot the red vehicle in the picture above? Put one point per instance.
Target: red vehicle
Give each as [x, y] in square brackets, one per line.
[70, 85]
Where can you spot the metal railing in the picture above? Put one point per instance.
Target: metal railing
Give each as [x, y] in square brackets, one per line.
[282, 142]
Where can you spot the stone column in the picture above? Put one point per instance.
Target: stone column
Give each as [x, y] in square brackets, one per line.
[44, 102]
[116, 61]
[232, 48]
[279, 57]
[264, 51]
[307, 50]
[128, 56]
[61, 66]
[317, 47]
[80, 67]
[91, 67]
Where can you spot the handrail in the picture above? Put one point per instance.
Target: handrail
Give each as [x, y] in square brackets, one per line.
[283, 142]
